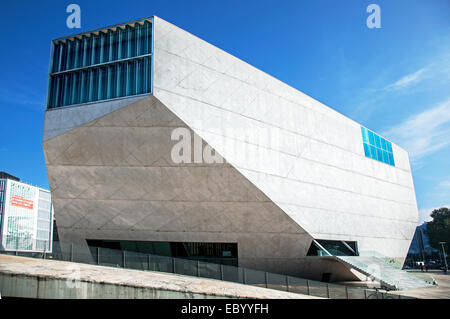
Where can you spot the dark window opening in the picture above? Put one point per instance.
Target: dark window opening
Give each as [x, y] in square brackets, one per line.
[219, 253]
[326, 277]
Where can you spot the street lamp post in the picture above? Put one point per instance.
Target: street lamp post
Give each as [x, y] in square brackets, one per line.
[445, 258]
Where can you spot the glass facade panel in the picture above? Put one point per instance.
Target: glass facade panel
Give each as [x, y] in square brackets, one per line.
[376, 147]
[101, 65]
[366, 149]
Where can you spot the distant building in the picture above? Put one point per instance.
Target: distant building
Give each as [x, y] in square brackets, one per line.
[420, 249]
[26, 216]
[421, 240]
[4, 175]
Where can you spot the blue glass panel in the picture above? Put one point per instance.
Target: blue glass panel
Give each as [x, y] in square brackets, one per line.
[132, 42]
[109, 81]
[371, 138]
[141, 75]
[89, 51]
[102, 79]
[366, 150]
[55, 52]
[116, 44]
[389, 146]
[364, 135]
[74, 79]
[385, 157]
[95, 59]
[93, 85]
[77, 54]
[63, 56]
[373, 152]
[83, 89]
[70, 56]
[377, 141]
[383, 143]
[139, 46]
[103, 49]
[379, 154]
[75, 88]
[67, 89]
[391, 159]
[147, 37]
[147, 75]
[84, 50]
[122, 43]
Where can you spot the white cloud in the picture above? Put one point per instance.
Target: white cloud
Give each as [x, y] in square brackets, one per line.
[423, 133]
[445, 184]
[407, 80]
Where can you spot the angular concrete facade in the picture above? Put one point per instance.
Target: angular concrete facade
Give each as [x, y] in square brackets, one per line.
[295, 169]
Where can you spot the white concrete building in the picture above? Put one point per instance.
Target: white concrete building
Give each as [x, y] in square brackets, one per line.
[300, 181]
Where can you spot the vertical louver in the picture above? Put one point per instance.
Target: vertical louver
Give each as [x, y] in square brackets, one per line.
[101, 65]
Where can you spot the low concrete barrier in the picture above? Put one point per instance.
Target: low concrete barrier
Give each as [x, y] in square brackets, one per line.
[38, 278]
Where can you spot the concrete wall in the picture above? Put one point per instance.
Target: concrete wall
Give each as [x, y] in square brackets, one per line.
[304, 156]
[19, 286]
[113, 178]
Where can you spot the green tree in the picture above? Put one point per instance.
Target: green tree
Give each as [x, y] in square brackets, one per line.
[438, 229]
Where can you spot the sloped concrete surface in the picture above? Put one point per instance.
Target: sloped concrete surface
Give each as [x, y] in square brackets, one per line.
[149, 284]
[114, 178]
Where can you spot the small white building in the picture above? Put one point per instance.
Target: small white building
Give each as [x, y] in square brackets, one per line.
[26, 211]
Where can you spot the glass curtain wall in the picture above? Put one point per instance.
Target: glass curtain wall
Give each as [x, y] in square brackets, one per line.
[101, 65]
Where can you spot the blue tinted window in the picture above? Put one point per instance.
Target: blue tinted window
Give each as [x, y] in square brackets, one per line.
[377, 141]
[364, 135]
[376, 147]
[389, 146]
[373, 152]
[391, 159]
[371, 138]
[101, 65]
[366, 150]
[385, 157]
[379, 154]
[383, 144]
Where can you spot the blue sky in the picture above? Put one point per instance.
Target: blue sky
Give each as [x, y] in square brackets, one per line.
[394, 80]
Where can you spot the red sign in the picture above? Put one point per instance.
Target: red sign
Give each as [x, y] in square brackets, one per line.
[21, 202]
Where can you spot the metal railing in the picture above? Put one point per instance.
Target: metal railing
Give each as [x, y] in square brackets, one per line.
[198, 268]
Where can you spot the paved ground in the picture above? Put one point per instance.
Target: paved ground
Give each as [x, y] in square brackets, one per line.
[140, 279]
[442, 291]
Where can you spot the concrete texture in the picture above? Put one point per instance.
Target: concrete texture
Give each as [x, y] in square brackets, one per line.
[295, 169]
[58, 121]
[113, 178]
[311, 164]
[37, 278]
